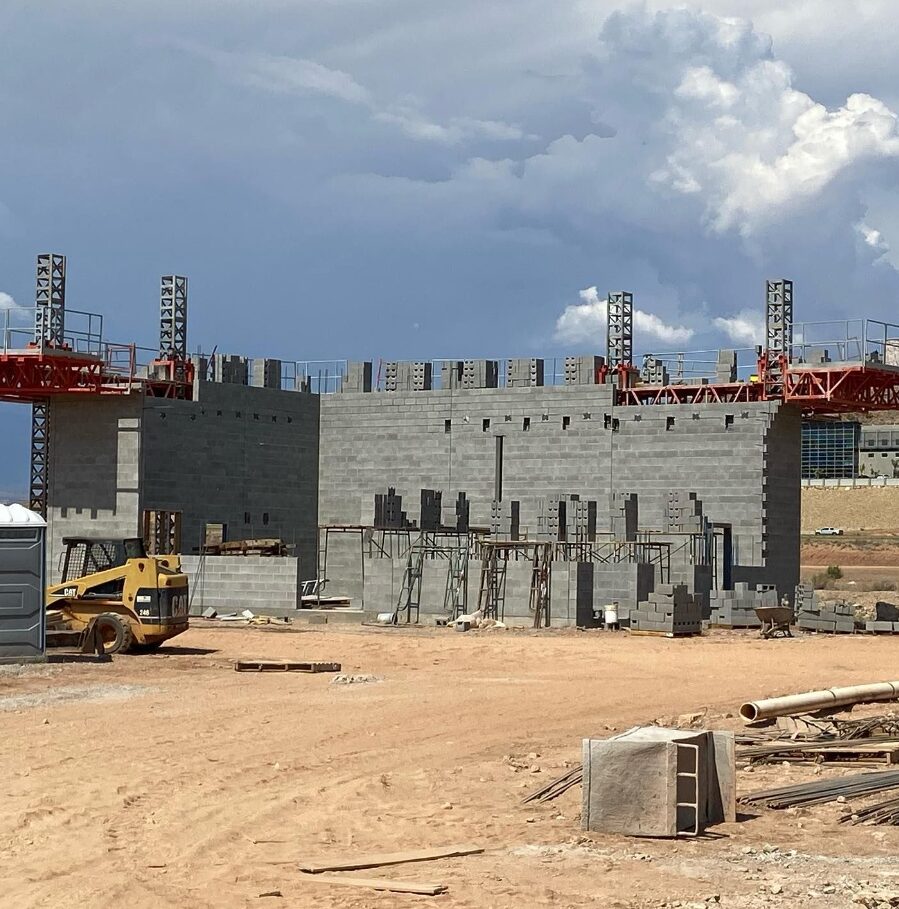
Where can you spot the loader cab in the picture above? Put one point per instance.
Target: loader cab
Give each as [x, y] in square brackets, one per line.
[84, 556]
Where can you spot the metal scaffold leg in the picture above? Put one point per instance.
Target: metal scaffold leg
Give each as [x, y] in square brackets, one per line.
[40, 457]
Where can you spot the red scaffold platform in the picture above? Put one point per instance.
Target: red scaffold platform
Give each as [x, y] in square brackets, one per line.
[35, 374]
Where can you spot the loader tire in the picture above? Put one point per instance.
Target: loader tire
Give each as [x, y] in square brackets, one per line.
[115, 632]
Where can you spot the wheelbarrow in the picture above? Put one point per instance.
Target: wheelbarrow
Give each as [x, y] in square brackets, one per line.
[775, 621]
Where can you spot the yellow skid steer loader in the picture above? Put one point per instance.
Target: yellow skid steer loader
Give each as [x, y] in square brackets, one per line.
[112, 588]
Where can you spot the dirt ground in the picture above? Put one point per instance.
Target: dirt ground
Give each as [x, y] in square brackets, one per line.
[170, 780]
[868, 508]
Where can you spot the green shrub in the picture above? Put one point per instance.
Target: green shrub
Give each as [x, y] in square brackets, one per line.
[834, 572]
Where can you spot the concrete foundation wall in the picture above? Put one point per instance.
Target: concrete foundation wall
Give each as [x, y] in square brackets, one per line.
[242, 456]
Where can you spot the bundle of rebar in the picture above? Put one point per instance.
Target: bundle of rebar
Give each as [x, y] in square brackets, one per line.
[822, 791]
[555, 788]
[886, 813]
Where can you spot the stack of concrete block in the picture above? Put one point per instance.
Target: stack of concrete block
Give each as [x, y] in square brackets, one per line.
[202, 368]
[524, 372]
[582, 370]
[462, 513]
[804, 598]
[358, 376]
[832, 617]
[670, 609]
[736, 608]
[480, 374]
[683, 513]
[547, 519]
[625, 516]
[431, 509]
[886, 619]
[698, 580]
[505, 519]
[389, 514]
[266, 373]
[726, 367]
[654, 371]
[406, 376]
[230, 369]
[580, 519]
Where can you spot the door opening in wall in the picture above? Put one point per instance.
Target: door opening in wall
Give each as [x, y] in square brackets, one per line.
[498, 470]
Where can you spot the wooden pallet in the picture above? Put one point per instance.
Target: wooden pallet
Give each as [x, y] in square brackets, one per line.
[284, 666]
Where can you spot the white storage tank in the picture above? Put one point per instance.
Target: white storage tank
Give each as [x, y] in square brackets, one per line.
[22, 585]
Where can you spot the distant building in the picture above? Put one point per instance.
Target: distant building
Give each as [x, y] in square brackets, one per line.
[879, 451]
[830, 449]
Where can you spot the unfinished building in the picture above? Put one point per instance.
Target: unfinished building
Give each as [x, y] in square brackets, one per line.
[534, 490]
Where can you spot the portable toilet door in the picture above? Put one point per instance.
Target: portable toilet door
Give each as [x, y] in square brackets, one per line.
[23, 635]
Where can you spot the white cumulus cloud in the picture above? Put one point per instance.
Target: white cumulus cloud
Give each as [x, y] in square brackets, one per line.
[11, 310]
[746, 329]
[587, 321]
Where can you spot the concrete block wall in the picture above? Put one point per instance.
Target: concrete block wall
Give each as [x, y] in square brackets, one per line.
[742, 461]
[446, 439]
[627, 583]
[242, 456]
[95, 471]
[235, 583]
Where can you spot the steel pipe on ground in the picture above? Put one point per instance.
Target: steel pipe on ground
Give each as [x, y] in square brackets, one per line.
[812, 701]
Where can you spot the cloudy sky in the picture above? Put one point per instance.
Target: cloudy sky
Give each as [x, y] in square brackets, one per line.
[403, 178]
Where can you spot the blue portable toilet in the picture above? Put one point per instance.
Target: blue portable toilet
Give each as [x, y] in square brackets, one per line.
[23, 535]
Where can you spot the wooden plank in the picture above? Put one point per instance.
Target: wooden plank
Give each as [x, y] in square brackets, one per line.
[373, 883]
[645, 632]
[285, 666]
[390, 858]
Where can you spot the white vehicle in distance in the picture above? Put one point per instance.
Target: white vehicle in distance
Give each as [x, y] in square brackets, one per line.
[829, 532]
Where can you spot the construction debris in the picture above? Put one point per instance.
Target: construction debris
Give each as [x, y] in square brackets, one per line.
[284, 666]
[354, 679]
[393, 858]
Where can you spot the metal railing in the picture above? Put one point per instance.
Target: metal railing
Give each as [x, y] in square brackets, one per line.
[845, 341]
[83, 330]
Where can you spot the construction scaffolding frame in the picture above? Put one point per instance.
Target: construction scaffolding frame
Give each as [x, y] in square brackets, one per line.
[614, 552]
[453, 546]
[49, 331]
[620, 335]
[495, 556]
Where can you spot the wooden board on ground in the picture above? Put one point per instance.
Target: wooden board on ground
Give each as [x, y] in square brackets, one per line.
[645, 632]
[314, 601]
[390, 858]
[889, 754]
[284, 666]
[373, 883]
